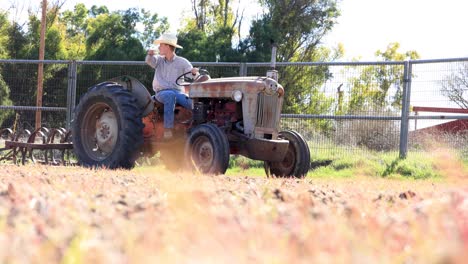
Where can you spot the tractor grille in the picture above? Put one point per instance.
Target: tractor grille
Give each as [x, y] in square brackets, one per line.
[268, 111]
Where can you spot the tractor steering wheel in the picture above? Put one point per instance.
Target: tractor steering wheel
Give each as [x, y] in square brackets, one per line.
[186, 79]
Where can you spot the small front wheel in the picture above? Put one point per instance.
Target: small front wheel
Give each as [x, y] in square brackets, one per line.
[207, 149]
[296, 162]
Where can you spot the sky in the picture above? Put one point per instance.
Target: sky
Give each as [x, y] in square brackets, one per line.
[434, 28]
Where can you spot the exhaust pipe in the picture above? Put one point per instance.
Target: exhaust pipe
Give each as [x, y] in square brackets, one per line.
[273, 74]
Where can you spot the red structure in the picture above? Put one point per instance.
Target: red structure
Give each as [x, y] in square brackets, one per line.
[452, 127]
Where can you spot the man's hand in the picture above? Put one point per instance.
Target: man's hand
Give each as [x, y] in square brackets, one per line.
[194, 71]
[151, 52]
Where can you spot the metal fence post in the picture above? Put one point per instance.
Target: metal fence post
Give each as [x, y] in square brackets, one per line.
[243, 69]
[71, 92]
[404, 130]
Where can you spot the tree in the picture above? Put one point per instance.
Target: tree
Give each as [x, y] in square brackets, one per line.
[295, 26]
[110, 39]
[4, 101]
[4, 35]
[73, 24]
[303, 88]
[54, 49]
[94, 34]
[4, 89]
[113, 36]
[455, 86]
[17, 41]
[24, 44]
[212, 15]
[208, 36]
[376, 88]
[98, 10]
[371, 90]
[200, 10]
[75, 21]
[154, 26]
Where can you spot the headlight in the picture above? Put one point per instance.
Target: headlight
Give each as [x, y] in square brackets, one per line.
[271, 87]
[237, 95]
[280, 91]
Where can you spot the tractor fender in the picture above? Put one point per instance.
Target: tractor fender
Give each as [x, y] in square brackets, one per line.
[138, 90]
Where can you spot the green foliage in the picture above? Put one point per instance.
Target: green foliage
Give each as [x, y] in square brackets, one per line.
[94, 34]
[356, 163]
[4, 100]
[97, 34]
[414, 167]
[12, 39]
[377, 164]
[110, 37]
[370, 91]
[244, 163]
[302, 86]
[211, 16]
[4, 38]
[73, 25]
[201, 46]
[54, 45]
[75, 20]
[4, 53]
[209, 35]
[295, 26]
[25, 45]
[17, 41]
[154, 26]
[193, 41]
[98, 10]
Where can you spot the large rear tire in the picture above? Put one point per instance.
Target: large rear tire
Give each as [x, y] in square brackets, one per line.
[107, 128]
[207, 149]
[296, 162]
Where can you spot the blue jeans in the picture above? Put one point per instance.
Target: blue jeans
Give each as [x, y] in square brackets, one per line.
[169, 98]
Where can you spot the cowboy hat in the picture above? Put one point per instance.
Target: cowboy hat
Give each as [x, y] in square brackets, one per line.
[169, 39]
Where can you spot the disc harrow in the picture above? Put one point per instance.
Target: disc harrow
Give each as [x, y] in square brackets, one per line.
[44, 146]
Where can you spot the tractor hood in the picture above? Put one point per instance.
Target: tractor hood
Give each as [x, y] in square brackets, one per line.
[261, 99]
[224, 87]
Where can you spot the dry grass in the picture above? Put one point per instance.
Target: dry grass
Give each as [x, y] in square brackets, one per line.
[148, 215]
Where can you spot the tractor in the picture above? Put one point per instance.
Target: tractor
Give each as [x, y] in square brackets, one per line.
[117, 123]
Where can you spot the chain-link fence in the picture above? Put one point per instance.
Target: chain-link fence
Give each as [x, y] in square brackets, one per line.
[344, 107]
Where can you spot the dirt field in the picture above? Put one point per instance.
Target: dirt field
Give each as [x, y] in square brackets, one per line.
[148, 215]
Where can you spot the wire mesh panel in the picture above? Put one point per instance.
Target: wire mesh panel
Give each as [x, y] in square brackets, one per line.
[19, 78]
[219, 70]
[344, 106]
[92, 73]
[439, 101]
[345, 136]
[25, 119]
[340, 108]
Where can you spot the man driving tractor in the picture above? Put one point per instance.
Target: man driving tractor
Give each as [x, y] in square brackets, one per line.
[168, 68]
